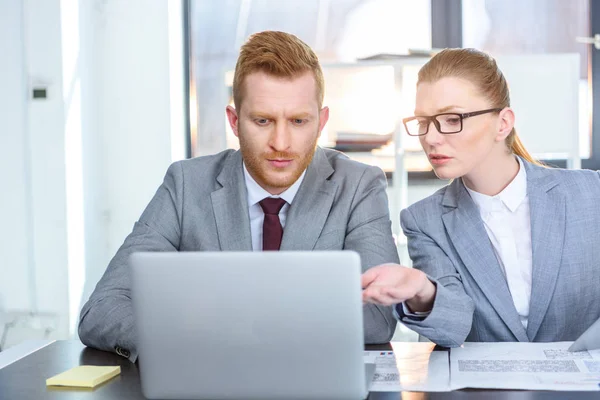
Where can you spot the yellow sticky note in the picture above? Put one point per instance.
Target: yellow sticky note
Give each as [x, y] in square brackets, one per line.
[87, 376]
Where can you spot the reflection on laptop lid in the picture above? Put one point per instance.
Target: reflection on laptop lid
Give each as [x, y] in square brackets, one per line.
[267, 325]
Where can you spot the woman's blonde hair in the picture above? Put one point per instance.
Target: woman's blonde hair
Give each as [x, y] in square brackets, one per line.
[480, 69]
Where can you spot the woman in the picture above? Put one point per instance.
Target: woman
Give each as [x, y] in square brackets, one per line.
[509, 250]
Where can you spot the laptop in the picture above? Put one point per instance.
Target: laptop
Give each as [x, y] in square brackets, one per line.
[232, 325]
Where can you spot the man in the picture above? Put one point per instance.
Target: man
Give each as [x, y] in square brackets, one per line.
[279, 192]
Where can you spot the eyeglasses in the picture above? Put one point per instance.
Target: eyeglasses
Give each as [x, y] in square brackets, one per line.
[446, 123]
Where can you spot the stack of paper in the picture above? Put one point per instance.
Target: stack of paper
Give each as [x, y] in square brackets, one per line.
[87, 376]
[411, 367]
[528, 366]
[521, 366]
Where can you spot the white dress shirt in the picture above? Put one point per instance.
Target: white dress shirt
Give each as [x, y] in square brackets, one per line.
[255, 194]
[506, 218]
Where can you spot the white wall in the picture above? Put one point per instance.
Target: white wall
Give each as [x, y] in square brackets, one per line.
[45, 129]
[135, 101]
[132, 71]
[15, 235]
[84, 162]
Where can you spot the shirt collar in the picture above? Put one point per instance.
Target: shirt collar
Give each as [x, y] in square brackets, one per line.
[256, 193]
[512, 196]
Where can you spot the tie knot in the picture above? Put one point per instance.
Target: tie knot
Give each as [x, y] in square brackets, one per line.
[272, 205]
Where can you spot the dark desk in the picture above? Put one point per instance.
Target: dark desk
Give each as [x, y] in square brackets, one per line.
[26, 379]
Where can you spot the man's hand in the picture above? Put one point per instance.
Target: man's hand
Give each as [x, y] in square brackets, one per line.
[390, 284]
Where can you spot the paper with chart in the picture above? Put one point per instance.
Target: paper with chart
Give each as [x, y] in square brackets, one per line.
[529, 366]
[411, 367]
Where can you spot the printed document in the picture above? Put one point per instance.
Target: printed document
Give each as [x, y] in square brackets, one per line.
[528, 366]
[411, 367]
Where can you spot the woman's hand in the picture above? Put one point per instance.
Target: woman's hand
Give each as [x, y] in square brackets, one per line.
[390, 284]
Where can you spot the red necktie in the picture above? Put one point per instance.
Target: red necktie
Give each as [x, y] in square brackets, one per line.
[272, 230]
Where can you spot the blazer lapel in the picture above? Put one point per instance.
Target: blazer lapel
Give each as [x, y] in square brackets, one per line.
[310, 208]
[230, 207]
[467, 232]
[547, 208]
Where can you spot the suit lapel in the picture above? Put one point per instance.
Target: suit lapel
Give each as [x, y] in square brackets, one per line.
[548, 208]
[310, 208]
[230, 207]
[467, 232]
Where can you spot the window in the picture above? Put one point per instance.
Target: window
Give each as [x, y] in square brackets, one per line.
[338, 31]
[545, 27]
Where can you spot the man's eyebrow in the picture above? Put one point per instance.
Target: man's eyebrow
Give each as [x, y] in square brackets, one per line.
[259, 114]
[301, 115]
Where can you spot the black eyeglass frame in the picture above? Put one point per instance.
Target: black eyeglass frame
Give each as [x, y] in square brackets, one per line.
[433, 118]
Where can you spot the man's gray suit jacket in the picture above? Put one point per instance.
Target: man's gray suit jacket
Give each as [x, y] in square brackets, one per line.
[202, 206]
[448, 241]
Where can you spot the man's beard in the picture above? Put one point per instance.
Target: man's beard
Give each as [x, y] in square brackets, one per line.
[257, 165]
